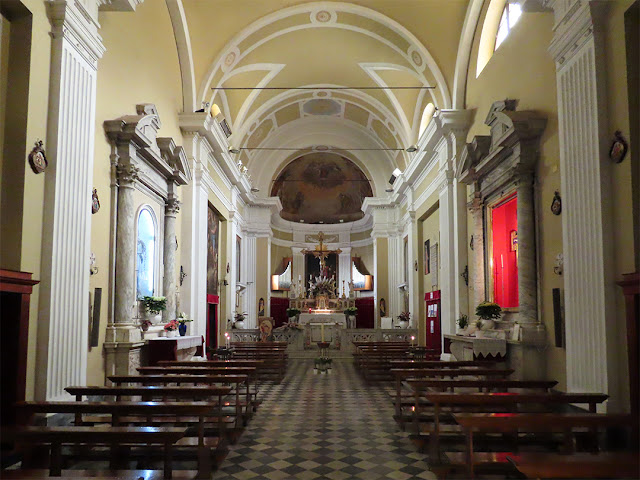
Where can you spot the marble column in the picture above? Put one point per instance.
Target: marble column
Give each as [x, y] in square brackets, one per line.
[125, 295]
[476, 208]
[527, 275]
[171, 210]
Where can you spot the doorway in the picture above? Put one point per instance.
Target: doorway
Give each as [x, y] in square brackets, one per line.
[212, 322]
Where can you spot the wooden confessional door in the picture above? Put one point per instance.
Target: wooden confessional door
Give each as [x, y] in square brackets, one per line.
[433, 327]
[213, 302]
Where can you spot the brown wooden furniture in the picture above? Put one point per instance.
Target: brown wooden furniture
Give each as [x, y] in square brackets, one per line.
[631, 290]
[97, 435]
[579, 465]
[564, 423]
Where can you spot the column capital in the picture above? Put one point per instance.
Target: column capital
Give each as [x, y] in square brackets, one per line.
[172, 207]
[128, 174]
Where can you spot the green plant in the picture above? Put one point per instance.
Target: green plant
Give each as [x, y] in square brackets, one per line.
[479, 324]
[183, 320]
[322, 361]
[239, 317]
[154, 305]
[350, 311]
[292, 312]
[463, 321]
[488, 310]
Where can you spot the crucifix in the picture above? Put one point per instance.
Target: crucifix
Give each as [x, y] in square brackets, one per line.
[321, 252]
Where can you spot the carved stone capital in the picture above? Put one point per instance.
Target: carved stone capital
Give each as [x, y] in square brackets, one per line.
[172, 206]
[128, 174]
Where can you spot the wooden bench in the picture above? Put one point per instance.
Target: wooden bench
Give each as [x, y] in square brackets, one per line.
[240, 387]
[578, 465]
[564, 423]
[140, 414]
[509, 401]
[96, 435]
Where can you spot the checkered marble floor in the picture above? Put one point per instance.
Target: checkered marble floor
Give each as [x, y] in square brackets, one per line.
[323, 427]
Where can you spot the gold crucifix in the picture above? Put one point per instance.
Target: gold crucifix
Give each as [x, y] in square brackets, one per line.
[321, 251]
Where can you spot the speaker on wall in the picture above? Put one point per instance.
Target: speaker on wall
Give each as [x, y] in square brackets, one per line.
[558, 318]
[95, 323]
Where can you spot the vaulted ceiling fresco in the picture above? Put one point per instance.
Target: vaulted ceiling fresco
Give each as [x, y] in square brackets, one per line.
[321, 187]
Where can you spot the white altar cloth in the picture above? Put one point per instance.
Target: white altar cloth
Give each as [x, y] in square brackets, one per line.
[306, 318]
[182, 342]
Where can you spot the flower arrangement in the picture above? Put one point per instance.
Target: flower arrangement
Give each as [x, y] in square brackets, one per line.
[322, 286]
[404, 316]
[488, 310]
[479, 324]
[239, 317]
[171, 326]
[183, 320]
[463, 321]
[350, 311]
[145, 324]
[154, 305]
[292, 312]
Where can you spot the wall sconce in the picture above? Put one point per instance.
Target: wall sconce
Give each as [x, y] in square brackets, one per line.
[396, 173]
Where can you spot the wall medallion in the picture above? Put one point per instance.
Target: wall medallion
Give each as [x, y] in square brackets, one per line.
[556, 204]
[619, 147]
[95, 202]
[37, 159]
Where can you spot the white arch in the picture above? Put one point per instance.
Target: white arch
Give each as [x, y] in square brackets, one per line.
[471, 19]
[205, 90]
[185, 54]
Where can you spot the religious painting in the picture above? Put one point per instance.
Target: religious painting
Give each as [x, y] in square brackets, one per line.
[261, 307]
[312, 265]
[145, 253]
[427, 257]
[322, 187]
[383, 308]
[213, 241]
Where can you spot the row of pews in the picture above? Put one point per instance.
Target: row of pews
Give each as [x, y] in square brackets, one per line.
[471, 419]
[178, 410]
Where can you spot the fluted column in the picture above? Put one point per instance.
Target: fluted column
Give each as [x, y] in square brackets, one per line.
[527, 283]
[171, 210]
[446, 252]
[250, 264]
[344, 270]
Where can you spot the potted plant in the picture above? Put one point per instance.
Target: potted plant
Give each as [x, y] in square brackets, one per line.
[488, 311]
[239, 320]
[463, 323]
[350, 313]
[322, 364]
[293, 313]
[152, 306]
[479, 324]
[170, 328]
[403, 320]
[182, 323]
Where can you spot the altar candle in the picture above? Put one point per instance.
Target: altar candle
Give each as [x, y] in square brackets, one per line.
[299, 278]
[322, 331]
[412, 339]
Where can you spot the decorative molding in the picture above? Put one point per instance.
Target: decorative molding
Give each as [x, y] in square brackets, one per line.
[118, 5]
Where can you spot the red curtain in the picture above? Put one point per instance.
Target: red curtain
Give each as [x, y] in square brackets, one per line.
[279, 310]
[504, 229]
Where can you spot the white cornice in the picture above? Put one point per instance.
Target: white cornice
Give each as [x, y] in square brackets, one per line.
[309, 245]
[282, 225]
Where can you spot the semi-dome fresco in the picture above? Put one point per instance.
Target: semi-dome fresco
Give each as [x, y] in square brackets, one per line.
[321, 187]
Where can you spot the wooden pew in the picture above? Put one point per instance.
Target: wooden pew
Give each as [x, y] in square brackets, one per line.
[509, 401]
[96, 435]
[565, 423]
[144, 414]
[604, 465]
[239, 383]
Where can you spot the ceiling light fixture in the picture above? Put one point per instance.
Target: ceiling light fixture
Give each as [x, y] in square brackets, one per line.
[255, 190]
[389, 190]
[412, 149]
[234, 150]
[396, 173]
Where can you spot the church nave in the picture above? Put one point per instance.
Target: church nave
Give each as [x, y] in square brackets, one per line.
[317, 426]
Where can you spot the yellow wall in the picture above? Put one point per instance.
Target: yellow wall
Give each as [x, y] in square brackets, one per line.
[140, 65]
[282, 235]
[360, 235]
[522, 69]
[366, 257]
[277, 254]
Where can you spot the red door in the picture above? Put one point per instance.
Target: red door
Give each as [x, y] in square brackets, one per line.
[212, 321]
[433, 340]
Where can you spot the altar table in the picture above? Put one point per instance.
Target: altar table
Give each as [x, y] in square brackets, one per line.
[316, 317]
[174, 348]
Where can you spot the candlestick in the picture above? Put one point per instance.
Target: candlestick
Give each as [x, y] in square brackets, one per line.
[299, 277]
[322, 331]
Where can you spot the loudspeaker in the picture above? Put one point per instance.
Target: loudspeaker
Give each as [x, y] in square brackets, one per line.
[558, 320]
[95, 324]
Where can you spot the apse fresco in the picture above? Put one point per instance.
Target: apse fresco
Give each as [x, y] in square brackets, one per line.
[321, 187]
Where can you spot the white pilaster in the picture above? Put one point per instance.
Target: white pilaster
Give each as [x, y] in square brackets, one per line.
[64, 292]
[298, 266]
[587, 233]
[447, 254]
[396, 269]
[344, 270]
[250, 298]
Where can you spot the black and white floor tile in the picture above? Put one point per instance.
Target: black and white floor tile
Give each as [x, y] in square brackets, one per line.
[330, 426]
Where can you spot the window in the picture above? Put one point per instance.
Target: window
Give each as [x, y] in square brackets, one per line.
[510, 16]
[146, 253]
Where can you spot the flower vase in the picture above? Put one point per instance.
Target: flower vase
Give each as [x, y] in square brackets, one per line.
[239, 324]
[182, 328]
[171, 333]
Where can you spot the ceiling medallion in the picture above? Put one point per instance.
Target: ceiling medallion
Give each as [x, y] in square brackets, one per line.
[323, 16]
[230, 58]
[417, 59]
